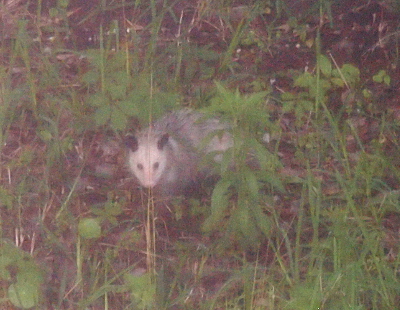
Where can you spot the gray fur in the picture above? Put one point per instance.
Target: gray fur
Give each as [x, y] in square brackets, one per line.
[167, 154]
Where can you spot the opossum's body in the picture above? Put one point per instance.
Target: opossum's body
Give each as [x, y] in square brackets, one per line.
[167, 154]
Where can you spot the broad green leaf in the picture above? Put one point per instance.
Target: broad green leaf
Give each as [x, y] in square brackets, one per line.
[128, 107]
[350, 73]
[23, 295]
[97, 100]
[118, 119]
[263, 221]
[102, 115]
[324, 65]
[219, 203]
[337, 81]
[117, 91]
[251, 182]
[142, 289]
[89, 228]
[305, 80]
[91, 77]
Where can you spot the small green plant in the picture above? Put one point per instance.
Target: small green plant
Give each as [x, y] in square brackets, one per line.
[23, 275]
[89, 228]
[114, 95]
[382, 77]
[314, 88]
[142, 290]
[247, 218]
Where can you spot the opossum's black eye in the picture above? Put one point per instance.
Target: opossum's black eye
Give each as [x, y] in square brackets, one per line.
[163, 141]
[140, 166]
[156, 165]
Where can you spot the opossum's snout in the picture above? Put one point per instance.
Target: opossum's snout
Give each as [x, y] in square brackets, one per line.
[148, 177]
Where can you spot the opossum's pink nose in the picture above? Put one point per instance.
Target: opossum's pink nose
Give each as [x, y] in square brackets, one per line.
[149, 185]
[149, 181]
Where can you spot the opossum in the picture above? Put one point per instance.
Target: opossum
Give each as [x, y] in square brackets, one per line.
[168, 154]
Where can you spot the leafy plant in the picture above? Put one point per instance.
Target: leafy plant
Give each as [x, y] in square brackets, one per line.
[142, 289]
[118, 96]
[316, 87]
[23, 275]
[247, 218]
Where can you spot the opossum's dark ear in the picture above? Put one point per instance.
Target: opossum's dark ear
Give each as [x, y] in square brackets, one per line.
[163, 141]
[131, 142]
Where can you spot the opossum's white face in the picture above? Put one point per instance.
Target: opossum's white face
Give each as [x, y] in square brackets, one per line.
[147, 159]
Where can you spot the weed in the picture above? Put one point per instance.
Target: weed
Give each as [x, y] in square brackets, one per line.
[23, 276]
[247, 217]
[120, 96]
